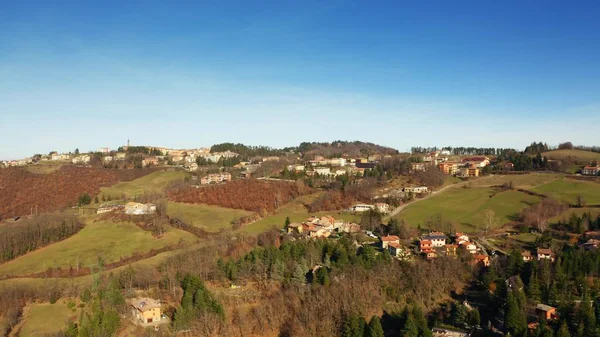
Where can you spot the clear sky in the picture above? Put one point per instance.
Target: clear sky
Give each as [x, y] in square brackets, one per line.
[399, 73]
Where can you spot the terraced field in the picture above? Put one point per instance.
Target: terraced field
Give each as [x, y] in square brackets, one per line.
[109, 240]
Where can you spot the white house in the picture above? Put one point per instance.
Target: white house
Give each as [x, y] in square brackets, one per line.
[417, 190]
[324, 171]
[438, 239]
[135, 208]
[387, 240]
[80, 160]
[361, 208]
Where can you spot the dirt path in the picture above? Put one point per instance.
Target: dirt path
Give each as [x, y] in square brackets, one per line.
[17, 328]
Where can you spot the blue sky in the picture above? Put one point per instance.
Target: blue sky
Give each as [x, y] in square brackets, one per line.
[398, 73]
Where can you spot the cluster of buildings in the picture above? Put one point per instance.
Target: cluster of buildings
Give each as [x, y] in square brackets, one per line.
[541, 254]
[467, 167]
[130, 208]
[215, 178]
[591, 170]
[392, 244]
[437, 244]
[321, 227]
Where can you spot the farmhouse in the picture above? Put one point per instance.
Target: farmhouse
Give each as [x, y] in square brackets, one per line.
[135, 208]
[146, 310]
[469, 247]
[526, 256]
[545, 254]
[360, 208]
[418, 166]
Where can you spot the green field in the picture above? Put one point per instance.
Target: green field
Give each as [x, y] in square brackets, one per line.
[526, 181]
[568, 189]
[210, 218]
[578, 155]
[465, 207]
[46, 318]
[108, 240]
[153, 182]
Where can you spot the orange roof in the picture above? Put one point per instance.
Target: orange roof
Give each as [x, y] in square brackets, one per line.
[390, 238]
[394, 244]
[425, 241]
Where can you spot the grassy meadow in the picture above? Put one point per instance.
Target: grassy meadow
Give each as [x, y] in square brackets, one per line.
[578, 155]
[45, 318]
[108, 240]
[153, 182]
[465, 207]
[210, 218]
[568, 189]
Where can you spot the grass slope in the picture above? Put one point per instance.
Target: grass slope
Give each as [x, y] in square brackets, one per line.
[465, 207]
[526, 181]
[45, 319]
[153, 182]
[210, 218]
[578, 155]
[568, 189]
[108, 240]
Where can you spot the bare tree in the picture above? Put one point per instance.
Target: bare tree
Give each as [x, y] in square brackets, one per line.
[489, 219]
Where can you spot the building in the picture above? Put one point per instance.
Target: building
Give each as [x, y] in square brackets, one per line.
[460, 237]
[398, 251]
[296, 168]
[438, 239]
[547, 312]
[418, 166]
[425, 245]
[451, 249]
[146, 310]
[81, 160]
[120, 155]
[108, 159]
[135, 208]
[150, 161]
[545, 254]
[591, 170]
[323, 171]
[480, 162]
[386, 240]
[450, 168]
[382, 207]
[469, 247]
[215, 178]
[361, 208]
[104, 150]
[481, 260]
[469, 172]
[415, 190]
[191, 167]
[295, 227]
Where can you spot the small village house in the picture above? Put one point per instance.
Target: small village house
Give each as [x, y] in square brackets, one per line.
[526, 256]
[386, 240]
[136, 208]
[415, 190]
[547, 312]
[438, 239]
[545, 254]
[146, 310]
[451, 249]
[481, 260]
[590, 170]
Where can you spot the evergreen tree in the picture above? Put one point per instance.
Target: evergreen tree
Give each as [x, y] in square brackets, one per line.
[277, 270]
[299, 275]
[322, 276]
[533, 289]
[563, 331]
[351, 326]
[514, 321]
[287, 221]
[374, 329]
[410, 326]
[473, 317]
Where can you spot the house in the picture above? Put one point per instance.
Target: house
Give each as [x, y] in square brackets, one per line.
[382, 207]
[386, 240]
[120, 155]
[508, 166]
[323, 171]
[480, 162]
[191, 167]
[108, 159]
[481, 260]
[526, 256]
[360, 208]
[590, 170]
[547, 312]
[150, 161]
[146, 310]
[545, 254]
[469, 172]
[460, 238]
[469, 247]
[296, 168]
[450, 168]
[398, 251]
[104, 150]
[437, 332]
[295, 227]
[415, 190]
[135, 208]
[349, 228]
[107, 208]
[590, 244]
[418, 166]
[430, 255]
[319, 232]
[438, 239]
[451, 249]
[425, 245]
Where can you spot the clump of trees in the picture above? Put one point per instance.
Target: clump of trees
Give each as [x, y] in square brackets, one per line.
[33, 233]
[196, 303]
[537, 216]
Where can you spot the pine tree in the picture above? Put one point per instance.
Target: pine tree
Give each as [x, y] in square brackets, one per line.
[533, 288]
[299, 276]
[563, 331]
[374, 329]
[410, 326]
[514, 321]
[287, 221]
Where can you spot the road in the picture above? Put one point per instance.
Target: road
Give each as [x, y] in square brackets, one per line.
[401, 207]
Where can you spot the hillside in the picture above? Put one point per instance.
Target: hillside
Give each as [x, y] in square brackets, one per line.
[21, 190]
[579, 156]
[338, 148]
